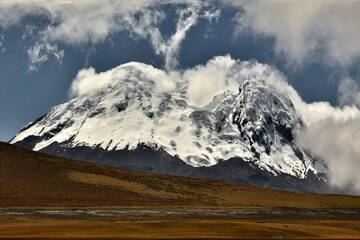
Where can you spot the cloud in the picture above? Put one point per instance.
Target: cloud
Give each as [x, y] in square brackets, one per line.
[71, 22]
[88, 22]
[302, 28]
[337, 142]
[215, 72]
[146, 26]
[187, 18]
[76, 21]
[42, 49]
[329, 27]
[333, 134]
[203, 82]
[206, 81]
[40, 53]
[349, 92]
[88, 81]
[12, 12]
[2, 47]
[223, 73]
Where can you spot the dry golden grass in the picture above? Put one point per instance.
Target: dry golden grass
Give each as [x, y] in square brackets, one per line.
[179, 229]
[30, 179]
[126, 185]
[34, 179]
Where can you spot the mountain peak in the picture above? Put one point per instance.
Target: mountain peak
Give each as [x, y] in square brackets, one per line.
[137, 106]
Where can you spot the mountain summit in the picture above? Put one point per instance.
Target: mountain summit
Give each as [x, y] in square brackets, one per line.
[136, 118]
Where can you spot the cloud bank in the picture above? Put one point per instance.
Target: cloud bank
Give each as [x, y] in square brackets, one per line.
[333, 134]
[337, 142]
[324, 30]
[88, 22]
[300, 28]
[89, 81]
[349, 92]
[206, 81]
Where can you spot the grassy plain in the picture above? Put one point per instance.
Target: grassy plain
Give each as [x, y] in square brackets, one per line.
[43, 196]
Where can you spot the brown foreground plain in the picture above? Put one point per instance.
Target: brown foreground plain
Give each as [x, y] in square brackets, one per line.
[43, 196]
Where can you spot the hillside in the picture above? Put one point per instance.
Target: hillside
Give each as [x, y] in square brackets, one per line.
[35, 179]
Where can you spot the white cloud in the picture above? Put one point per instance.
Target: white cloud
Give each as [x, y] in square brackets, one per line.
[349, 92]
[206, 81]
[330, 26]
[147, 27]
[333, 134]
[11, 12]
[187, 18]
[224, 73]
[2, 47]
[337, 142]
[40, 53]
[88, 81]
[301, 27]
[212, 15]
[79, 22]
[215, 72]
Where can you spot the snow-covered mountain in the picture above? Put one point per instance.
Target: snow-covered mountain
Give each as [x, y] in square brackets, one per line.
[139, 119]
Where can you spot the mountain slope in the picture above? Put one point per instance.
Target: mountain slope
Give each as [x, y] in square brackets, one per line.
[139, 112]
[35, 179]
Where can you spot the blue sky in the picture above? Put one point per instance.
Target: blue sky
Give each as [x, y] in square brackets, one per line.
[30, 85]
